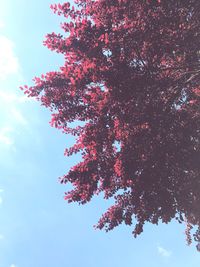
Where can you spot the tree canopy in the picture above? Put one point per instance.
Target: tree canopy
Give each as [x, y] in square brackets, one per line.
[131, 77]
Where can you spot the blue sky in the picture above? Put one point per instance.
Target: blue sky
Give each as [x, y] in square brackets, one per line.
[37, 227]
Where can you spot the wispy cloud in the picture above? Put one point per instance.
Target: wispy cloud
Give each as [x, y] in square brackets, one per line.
[5, 138]
[18, 116]
[1, 24]
[11, 101]
[1, 201]
[13, 265]
[10, 104]
[164, 252]
[11, 97]
[9, 63]
[1, 236]
[7, 97]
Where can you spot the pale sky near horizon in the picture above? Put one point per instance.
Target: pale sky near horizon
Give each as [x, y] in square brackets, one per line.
[37, 227]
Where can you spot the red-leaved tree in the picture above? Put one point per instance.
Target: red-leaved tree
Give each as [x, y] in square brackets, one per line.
[132, 75]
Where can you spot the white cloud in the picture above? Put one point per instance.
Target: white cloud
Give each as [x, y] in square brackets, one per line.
[1, 190]
[12, 117]
[14, 107]
[5, 136]
[17, 116]
[9, 63]
[164, 252]
[1, 200]
[1, 236]
[13, 265]
[7, 97]
[1, 24]
[10, 103]
[12, 98]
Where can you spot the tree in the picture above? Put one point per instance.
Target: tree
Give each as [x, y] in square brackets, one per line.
[132, 77]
